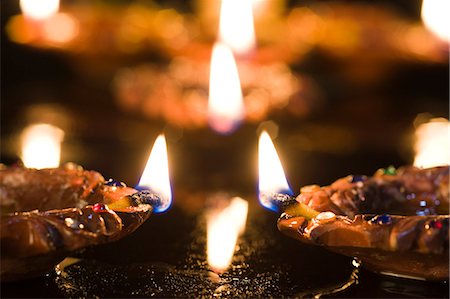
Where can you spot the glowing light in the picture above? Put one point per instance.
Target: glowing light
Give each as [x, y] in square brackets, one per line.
[41, 146]
[432, 143]
[60, 28]
[271, 174]
[223, 229]
[156, 174]
[435, 17]
[39, 9]
[236, 28]
[225, 105]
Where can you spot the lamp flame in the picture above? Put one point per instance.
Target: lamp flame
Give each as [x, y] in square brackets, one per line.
[60, 28]
[271, 175]
[39, 9]
[223, 230]
[225, 105]
[236, 28]
[432, 143]
[436, 19]
[156, 174]
[41, 146]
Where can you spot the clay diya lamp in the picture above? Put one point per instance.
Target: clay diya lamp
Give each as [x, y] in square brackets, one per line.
[395, 222]
[48, 213]
[391, 222]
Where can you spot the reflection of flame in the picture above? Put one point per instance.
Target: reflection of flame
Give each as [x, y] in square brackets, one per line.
[236, 28]
[225, 105]
[41, 146]
[435, 15]
[271, 175]
[432, 143]
[39, 9]
[223, 229]
[156, 174]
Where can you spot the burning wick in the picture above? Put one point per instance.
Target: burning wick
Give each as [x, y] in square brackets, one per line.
[274, 191]
[154, 184]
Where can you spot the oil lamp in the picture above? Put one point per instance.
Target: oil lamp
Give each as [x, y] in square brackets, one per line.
[369, 217]
[79, 207]
[265, 86]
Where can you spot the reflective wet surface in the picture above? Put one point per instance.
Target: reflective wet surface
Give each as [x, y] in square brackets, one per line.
[356, 127]
[153, 263]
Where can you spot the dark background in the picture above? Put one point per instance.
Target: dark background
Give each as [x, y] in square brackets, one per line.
[379, 118]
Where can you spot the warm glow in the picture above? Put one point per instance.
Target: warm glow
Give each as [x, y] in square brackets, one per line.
[39, 9]
[236, 28]
[432, 143]
[61, 28]
[271, 175]
[225, 105]
[223, 230]
[41, 146]
[435, 15]
[156, 174]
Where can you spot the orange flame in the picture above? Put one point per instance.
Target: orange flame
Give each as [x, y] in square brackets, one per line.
[156, 174]
[60, 28]
[41, 146]
[236, 28]
[271, 174]
[432, 143]
[225, 105]
[39, 9]
[435, 16]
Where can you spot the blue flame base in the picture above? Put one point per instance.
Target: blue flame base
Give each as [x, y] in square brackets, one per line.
[276, 201]
[159, 203]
